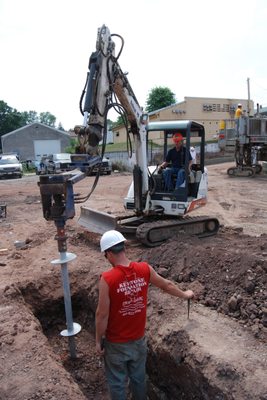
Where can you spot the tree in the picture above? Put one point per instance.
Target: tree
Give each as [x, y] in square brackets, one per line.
[72, 147]
[60, 127]
[10, 118]
[159, 97]
[118, 122]
[30, 117]
[47, 118]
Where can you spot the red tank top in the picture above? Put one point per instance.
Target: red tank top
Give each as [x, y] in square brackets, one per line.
[128, 288]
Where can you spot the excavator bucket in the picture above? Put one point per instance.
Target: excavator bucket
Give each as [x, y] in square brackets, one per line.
[96, 221]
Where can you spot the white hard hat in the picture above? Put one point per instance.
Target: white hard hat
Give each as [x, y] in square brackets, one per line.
[239, 105]
[110, 239]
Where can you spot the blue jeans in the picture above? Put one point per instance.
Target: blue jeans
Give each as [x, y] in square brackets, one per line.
[125, 361]
[167, 176]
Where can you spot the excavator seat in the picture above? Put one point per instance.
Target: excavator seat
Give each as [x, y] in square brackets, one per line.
[193, 182]
[195, 177]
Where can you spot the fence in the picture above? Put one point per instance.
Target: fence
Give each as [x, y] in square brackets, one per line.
[155, 156]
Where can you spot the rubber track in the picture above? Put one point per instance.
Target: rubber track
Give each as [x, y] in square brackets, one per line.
[247, 172]
[153, 234]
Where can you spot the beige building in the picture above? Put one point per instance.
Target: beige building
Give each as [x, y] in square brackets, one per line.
[206, 111]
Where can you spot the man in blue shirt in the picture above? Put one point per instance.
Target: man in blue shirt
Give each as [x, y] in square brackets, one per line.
[176, 158]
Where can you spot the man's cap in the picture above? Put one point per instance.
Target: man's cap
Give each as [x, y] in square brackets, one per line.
[177, 137]
[239, 105]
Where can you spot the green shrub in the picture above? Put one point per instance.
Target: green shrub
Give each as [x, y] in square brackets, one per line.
[118, 166]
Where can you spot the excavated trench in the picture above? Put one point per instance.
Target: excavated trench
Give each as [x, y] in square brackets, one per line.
[169, 374]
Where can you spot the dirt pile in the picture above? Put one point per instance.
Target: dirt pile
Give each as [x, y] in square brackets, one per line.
[227, 272]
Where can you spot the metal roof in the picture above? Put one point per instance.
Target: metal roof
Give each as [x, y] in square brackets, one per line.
[181, 125]
[38, 125]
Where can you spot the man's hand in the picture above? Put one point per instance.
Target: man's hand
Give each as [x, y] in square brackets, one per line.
[162, 165]
[161, 168]
[99, 348]
[189, 294]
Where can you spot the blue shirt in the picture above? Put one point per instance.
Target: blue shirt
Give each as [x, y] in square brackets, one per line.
[177, 158]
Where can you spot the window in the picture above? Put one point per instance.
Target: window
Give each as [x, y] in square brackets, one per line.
[217, 107]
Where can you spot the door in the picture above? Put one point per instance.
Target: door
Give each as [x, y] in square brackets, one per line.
[45, 147]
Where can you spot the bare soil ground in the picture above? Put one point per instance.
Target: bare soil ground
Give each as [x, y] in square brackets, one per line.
[219, 353]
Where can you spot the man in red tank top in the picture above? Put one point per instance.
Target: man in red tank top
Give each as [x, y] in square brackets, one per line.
[121, 317]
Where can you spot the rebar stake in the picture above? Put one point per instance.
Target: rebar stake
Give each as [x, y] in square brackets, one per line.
[72, 327]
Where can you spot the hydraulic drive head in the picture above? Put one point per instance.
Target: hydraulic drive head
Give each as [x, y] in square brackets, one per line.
[57, 198]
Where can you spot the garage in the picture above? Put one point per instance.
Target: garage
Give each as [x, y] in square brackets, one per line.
[35, 139]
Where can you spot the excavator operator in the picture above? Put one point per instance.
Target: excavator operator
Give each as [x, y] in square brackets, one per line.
[175, 157]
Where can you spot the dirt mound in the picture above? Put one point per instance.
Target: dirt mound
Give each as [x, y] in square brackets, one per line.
[227, 272]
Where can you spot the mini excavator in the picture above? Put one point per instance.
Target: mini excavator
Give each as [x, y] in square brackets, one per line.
[154, 214]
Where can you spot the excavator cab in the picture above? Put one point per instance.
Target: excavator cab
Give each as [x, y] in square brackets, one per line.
[193, 134]
[193, 191]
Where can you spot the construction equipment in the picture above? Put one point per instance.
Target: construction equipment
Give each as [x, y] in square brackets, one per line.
[246, 139]
[154, 214]
[157, 214]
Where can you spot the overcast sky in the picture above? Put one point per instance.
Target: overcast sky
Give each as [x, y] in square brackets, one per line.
[195, 48]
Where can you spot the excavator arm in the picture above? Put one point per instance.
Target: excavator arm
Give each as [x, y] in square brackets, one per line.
[106, 81]
[98, 94]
